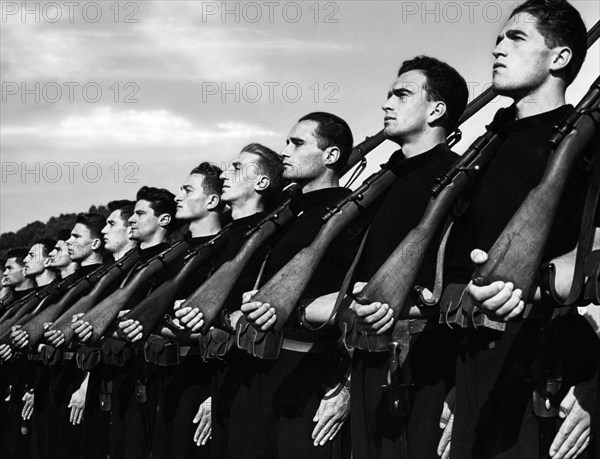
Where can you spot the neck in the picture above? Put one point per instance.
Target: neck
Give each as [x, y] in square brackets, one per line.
[93, 259]
[241, 209]
[157, 238]
[45, 278]
[25, 285]
[69, 269]
[329, 180]
[206, 226]
[542, 99]
[424, 141]
[123, 250]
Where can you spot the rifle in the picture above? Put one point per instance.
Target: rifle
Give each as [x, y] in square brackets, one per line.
[212, 294]
[284, 289]
[114, 275]
[97, 281]
[105, 312]
[149, 311]
[530, 226]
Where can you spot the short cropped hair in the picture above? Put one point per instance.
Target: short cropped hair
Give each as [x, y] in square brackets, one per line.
[125, 206]
[19, 254]
[63, 235]
[444, 84]
[162, 201]
[561, 25]
[269, 164]
[93, 222]
[212, 182]
[332, 131]
[47, 243]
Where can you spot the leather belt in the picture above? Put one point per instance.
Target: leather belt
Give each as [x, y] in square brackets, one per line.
[304, 347]
[419, 325]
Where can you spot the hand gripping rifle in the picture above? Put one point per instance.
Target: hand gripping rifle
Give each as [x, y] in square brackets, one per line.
[150, 310]
[213, 293]
[284, 289]
[530, 225]
[87, 290]
[105, 312]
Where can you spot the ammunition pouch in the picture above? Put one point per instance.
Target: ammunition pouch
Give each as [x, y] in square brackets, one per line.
[161, 351]
[51, 355]
[264, 345]
[215, 344]
[105, 394]
[87, 357]
[116, 352]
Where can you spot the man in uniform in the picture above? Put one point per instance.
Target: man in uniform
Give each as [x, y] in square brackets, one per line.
[538, 54]
[116, 231]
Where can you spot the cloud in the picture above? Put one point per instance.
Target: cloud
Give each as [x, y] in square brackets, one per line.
[110, 128]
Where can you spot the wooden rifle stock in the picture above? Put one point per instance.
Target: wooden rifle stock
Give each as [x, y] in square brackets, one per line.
[115, 273]
[517, 253]
[394, 280]
[285, 288]
[105, 312]
[150, 310]
[78, 292]
[210, 297]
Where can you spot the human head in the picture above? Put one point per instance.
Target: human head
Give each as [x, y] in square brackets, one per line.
[201, 192]
[14, 268]
[116, 232]
[153, 216]
[332, 143]
[256, 172]
[59, 255]
[35, 261]
[561, 25]
[442, 83]
[86, 236]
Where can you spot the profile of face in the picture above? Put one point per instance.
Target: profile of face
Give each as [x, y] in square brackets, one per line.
[81, 244]
[407, 110]
[116, 232]
[35, 260]
[242, 179]
[14, 273]
[522, 59]
[144, 223]
[302, 158]
[193, 203]
[59, 256]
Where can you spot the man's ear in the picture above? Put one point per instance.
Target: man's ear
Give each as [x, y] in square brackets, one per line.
[331, 155]
[164, 220]
[437, 112]
[213, 202]
[262, 183]
[96, 244]
[561, 56]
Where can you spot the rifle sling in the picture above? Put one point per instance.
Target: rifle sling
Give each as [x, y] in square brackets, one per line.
[343, 288]
[584, 247]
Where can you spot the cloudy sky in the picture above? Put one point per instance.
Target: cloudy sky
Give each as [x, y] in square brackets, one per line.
[100, 98]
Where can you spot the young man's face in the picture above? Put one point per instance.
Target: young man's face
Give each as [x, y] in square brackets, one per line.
[14, 273]
[59, 257]
[406, 109]
[192, 201]
[81, 243]
[116, 232]
[302, 157]
[240, 179]
[35, 260]
[144, 223]
[522, 59]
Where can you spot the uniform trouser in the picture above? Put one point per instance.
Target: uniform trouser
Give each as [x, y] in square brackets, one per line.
[264, 409]
[182, 388]
[430, 366]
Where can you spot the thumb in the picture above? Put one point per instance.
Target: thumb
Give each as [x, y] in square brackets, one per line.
[358, 287]
[567, 404]
[479, 256]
